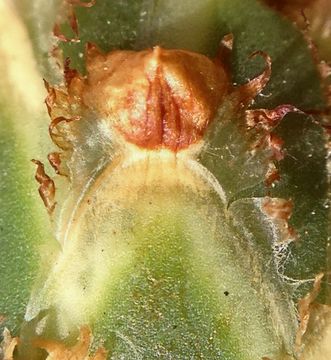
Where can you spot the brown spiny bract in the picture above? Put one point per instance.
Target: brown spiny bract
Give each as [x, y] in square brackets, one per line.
[46, 188]
[155, 98]
[80, 351]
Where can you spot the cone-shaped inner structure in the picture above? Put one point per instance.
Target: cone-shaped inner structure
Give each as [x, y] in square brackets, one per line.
[156, 98]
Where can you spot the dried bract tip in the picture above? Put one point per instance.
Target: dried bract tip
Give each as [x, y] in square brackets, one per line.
[46, 188]
[272, 175]
[275, 144]
[155, 98]
[249, 91]
[56, 135]
[268, 119]
[224, 52]
[227, 41]
[304, 306]
[280, 211]
[54, 159]
[80, 351]
[264, 121]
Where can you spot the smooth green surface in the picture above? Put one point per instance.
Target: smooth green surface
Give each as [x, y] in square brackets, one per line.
[24, 226]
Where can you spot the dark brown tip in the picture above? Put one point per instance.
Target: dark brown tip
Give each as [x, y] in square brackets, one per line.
[249, 91]
[46, 188]
[55, 133]
[268, 119]
[54, 159]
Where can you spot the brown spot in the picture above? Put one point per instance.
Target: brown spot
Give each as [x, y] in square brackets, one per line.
[278, 208]
[69, 74]
[46, 188]
[155, 98]
[280, 211]
[80, 351]
[304, 307]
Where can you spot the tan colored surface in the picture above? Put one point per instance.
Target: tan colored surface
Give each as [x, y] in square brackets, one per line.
[155, 98]
[8, 345]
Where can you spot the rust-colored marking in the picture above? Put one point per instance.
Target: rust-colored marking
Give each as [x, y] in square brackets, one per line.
[69, 74]
[54, 159]
[278, 208]
[46, 188]
[155, 98]
[280, 211]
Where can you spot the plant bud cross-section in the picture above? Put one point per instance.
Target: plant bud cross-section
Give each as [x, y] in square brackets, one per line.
[164, 180]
